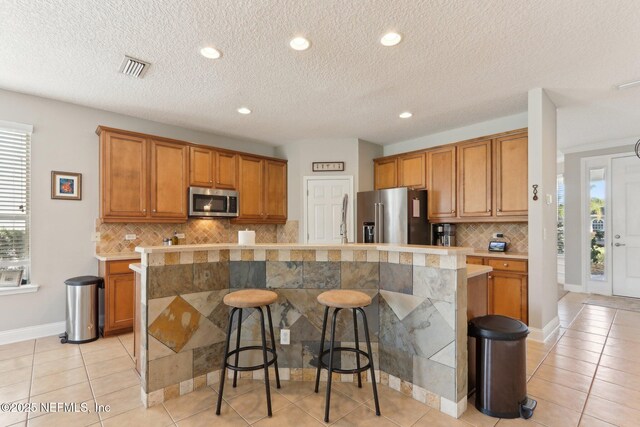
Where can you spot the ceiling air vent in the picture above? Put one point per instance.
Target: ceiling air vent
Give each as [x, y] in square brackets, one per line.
[133, 67]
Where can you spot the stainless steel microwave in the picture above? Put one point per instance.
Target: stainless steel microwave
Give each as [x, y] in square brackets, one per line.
[207, 202]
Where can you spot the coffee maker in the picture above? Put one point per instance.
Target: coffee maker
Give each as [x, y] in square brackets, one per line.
[444, 234]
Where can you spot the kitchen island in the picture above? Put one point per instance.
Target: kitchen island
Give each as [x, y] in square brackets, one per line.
[417, 319]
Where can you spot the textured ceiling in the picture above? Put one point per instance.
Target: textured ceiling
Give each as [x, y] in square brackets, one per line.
[460, 62]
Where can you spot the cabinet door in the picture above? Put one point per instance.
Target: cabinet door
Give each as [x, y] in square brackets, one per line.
[475, 260]
[169, 180]
[123, 175]
[508, 295]
[119, 303]
[474, 179]
[385, 173]
[275, 190]
[441, 184]
[226, 170]
[511, 175]
[251, 187]
[411, 171]
[201, 167]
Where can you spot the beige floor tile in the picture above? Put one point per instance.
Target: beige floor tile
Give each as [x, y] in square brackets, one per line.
[589, 421]
[341, 405]
[11, 418]
[621, 378]
[114, 382]
[156, 416]
[60, 353]
[207, 418]
[13, 392]
[50, 343]
[627, 318]
[616, 393]
[625, 365]
[127, 342]
[585, 336]
[623, 352]
[16, 363]
[243, 386]
[556, 393]
[574, 365]
[435, 418]
[363, 416]
[16, 376]
[294, 390]
[73, 394]
[57, 381]
[477, 418]
[100, 344]
[68, 419]
[581, 344]
[399, 408]
[577, 353]
[562, 376]
[351, 390]
[108, 367]
[591, 322]
[11, 351]
[18, 344]
[612, 412]
[518, 422]
[553, 415]
[289, 416]
[252, 406]
[120, 401]
[104, 355]
[625, 332]
[191, 403]
[589, 329]
[56, 366]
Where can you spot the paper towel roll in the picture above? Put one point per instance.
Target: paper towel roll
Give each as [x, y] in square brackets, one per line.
[246, 237]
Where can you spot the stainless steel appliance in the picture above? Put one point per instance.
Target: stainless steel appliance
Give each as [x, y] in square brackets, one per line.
[395, 215]
[207, 203]
[82, 309]
[444, 234]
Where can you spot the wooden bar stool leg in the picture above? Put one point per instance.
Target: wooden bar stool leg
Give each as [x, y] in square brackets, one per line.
[373, 375]
[265, 360]
[273, 344]
[223, 370]
[324, 333]
[355, 333]
[235, 373]
[327, 400]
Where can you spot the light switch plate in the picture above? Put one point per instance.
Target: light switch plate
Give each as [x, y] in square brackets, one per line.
[285, 336]
[95, 237]
[129, 237]
[180, 235]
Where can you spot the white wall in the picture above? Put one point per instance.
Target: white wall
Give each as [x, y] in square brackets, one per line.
[543, 306]
[64, 139]
[502, 124]
[367, 151]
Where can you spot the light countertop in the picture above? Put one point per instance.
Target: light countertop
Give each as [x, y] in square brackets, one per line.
[118, 256]
[511, 255]
[137, 267]
[474, 270]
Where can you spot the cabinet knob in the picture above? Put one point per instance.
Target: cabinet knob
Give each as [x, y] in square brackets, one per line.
[488, 210]
[144, 210]
[499, 210]
[506, 264]
[453, 211]
[490, 277]
[154, 211]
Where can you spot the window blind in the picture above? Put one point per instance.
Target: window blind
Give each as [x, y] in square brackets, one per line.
[15, 156]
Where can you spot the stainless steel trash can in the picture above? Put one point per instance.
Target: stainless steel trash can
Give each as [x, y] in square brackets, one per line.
[82, 309]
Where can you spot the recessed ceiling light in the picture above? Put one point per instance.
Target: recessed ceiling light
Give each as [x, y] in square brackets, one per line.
[391, 39]
[210, 52]
[629, 84]
[299, 43]
[405, 115]
[244, 110]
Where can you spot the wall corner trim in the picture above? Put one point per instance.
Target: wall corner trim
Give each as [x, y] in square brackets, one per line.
[32, 332]
[541, 335]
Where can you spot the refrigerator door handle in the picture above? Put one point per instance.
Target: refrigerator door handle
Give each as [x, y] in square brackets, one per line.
[375, 223]
[380, 227]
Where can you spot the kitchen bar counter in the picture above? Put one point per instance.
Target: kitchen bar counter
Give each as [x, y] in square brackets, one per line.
[511, 255]
[474, 270]
[118, 256]
[418, 317]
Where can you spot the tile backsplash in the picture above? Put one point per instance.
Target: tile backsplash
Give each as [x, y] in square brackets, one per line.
[197, 231]
[478, 235]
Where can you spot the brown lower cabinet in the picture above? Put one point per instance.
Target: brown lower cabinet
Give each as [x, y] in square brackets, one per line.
[507, 287]
[119, 287]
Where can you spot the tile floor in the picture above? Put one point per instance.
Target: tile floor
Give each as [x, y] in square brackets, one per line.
[587, 375]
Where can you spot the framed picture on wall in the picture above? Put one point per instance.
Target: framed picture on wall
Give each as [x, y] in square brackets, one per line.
[66, 185]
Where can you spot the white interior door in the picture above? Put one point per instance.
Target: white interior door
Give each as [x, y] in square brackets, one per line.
[324, 209]
[625, 228]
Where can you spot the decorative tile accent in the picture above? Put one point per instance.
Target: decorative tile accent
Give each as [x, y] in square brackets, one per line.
[284, 255]
[186, 386]
[406, 258]
[322, 256]
[321, 275]
[246, 255]
[175, 326]
[434, 283]
[210, 276]
[259, 255]
[171, 392]
[272, 255]
[186, 257]
[384, 256]
[288, 232]
[235, 255]
[200, 256]
[373, 256]
[335, 255]
[170, 370]
[396, 277]
[359, 256]
[478, 235]
[434, 377]
[297, 255]
[346, 255]
[401, 304]
[171, 258]
[420, 260]
[394, 257]
[359, 275]
[156, 259]
[247, 274]
[284, 274]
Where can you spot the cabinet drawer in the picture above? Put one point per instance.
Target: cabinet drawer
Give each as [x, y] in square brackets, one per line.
[475, 260]
[120, 266]
[508, 265]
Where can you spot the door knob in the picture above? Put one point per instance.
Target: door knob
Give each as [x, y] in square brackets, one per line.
[620, 244]
[617, 236]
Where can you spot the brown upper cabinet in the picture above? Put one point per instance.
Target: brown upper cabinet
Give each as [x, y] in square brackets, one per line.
[441, 182]
[262, 190]
[385, 173]
[511, 176]
[169, 180]
[212, 168]
[411, 171]
[474, 179]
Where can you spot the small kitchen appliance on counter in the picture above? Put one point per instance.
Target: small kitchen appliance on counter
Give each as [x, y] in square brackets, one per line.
[444, 234]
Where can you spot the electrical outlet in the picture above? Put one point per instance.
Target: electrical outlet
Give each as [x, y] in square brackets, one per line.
[95, 237]
[498, 235]
[129, 237]
[285, 336]
[180, 235]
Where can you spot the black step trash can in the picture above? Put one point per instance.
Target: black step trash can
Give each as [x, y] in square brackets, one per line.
[501, 362]
[82, 309]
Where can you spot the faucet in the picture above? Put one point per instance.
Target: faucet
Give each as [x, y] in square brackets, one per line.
[343, 224]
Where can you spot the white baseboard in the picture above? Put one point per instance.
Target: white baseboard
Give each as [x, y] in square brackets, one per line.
[31, 332]
[541, 335]
[573, 288]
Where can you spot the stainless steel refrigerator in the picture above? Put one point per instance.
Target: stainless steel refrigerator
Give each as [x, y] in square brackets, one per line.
[395, 215]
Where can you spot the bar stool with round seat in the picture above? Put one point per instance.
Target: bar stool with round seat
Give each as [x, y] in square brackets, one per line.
[239, 300]
[355, 301]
